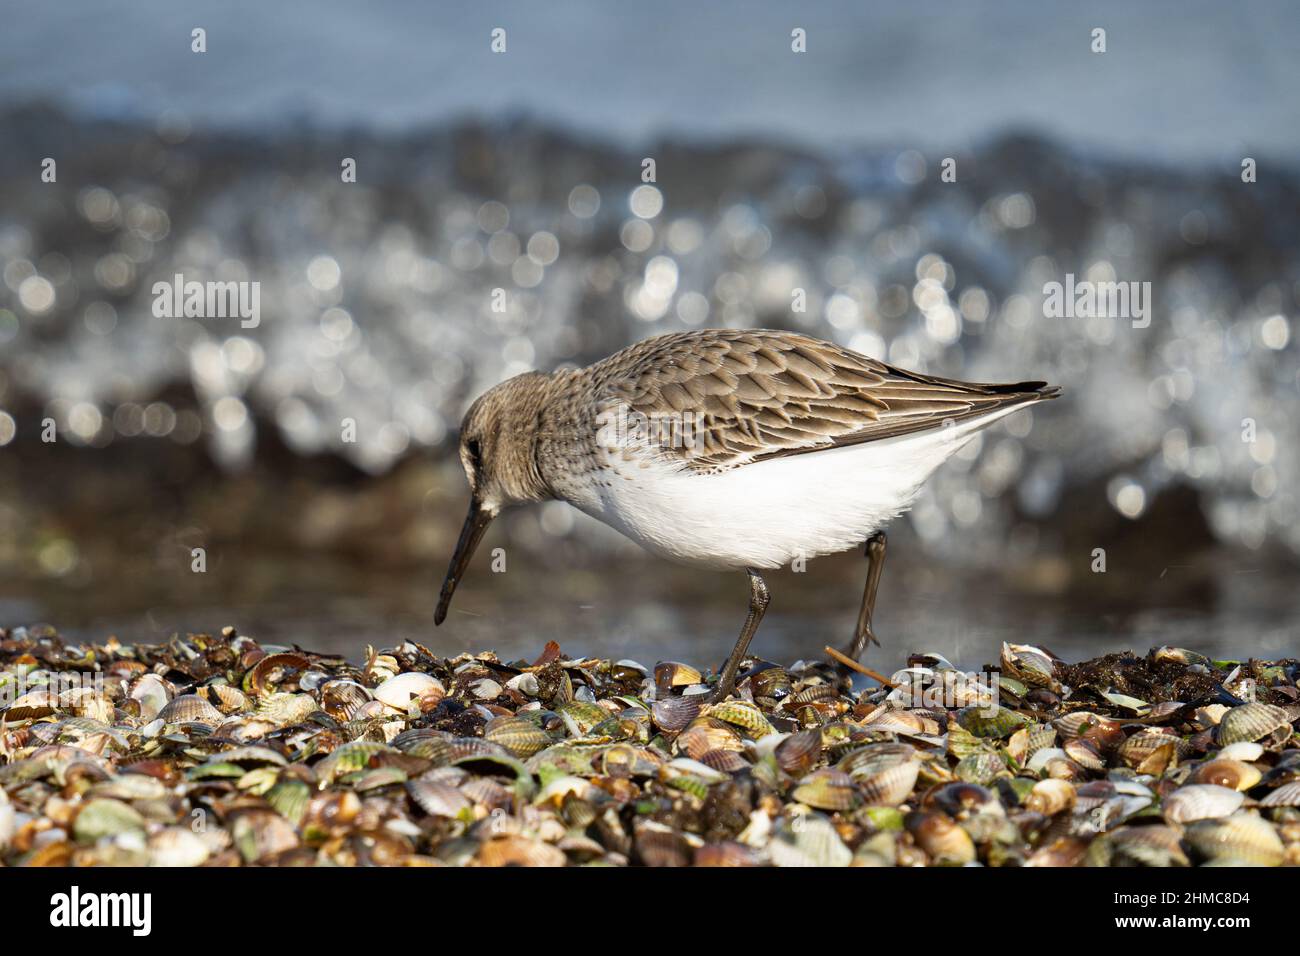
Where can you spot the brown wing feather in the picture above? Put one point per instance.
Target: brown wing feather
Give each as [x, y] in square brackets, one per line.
[756, 394]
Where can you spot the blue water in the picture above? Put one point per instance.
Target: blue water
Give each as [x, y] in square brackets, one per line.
[1200, 81]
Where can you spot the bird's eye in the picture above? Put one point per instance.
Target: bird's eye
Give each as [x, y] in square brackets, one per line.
[472, 447]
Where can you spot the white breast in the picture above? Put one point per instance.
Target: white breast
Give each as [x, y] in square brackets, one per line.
[767, 514]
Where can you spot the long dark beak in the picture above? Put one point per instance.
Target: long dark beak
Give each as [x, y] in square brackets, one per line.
[471, 534]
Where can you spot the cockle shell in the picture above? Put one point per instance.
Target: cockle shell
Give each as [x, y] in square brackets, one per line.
[400, 692]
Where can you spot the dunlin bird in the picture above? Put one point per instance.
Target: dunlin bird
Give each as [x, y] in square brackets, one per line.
[725, 449]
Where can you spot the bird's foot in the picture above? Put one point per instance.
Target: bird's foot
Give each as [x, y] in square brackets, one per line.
[720, 693]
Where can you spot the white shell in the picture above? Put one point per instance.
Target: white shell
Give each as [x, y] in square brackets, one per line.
[1041, 758]
[397, 692]
[812, 841]
[153, 694]
[1202, 801]
[7, 822]
[177, 846]
[1287, 795]
[525, 683]
[1242, 839]
[1133, 788]
[1244, 751]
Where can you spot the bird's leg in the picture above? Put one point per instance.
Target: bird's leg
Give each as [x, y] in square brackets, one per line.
[758, 601]
[875, 553]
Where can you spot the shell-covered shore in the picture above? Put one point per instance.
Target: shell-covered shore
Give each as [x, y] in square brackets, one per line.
[214, 750]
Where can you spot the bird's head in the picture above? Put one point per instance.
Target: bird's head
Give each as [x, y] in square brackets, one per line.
[498, 438]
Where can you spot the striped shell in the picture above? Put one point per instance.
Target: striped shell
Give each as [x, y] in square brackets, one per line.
[487, 792]
[705, 735]
[812, 694]
[827, 789]
[1145, 846]
[1080, 722]
[1243, 838]
[740, 714]
[32, 705]
[342, 698]
[900, 721]
[435, 746]
[437, 799]
[885, 772]
[1201, 801]
[809, 840]
[1249, 723]
[520, 851]
[350, 758]
[1287, 795]
[252, 756]
[469, 748]
[662, 847]
[289, 798]
[581, 717]
[1029, 664]
[673, 714]
[726, 761]
[190, 708]
[518, 735]
[272, 671]
[1085, 753]
[1028, 740]
[771, 683]
[799, 752]
[1139, 748]
[286, 710]
[225, 697]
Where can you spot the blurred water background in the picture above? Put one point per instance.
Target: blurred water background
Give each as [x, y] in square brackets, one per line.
[522, 171]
